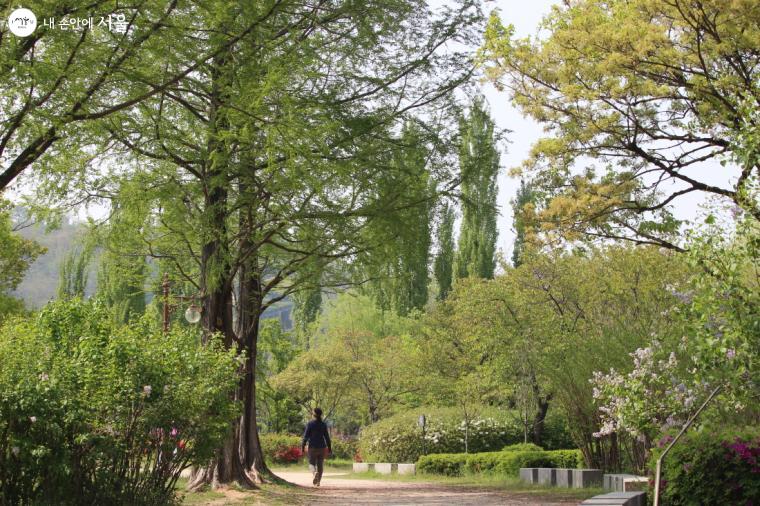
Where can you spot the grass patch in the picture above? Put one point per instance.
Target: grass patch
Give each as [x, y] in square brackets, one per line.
[280, 494]
[204, 497]
[482, 480]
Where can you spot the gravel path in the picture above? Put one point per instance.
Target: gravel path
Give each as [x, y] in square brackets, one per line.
[337, 490]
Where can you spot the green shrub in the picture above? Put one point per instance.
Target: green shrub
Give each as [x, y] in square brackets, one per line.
[522, 447]
[92, 414]
[345, 448]
[448, 464]
[399, 438]
[711, 467]
[503, 462]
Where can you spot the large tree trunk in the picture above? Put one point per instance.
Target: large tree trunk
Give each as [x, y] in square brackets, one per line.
[542, 407]
[216, 277]
[250, 302]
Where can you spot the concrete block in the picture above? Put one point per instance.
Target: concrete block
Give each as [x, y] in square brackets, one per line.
[617, 499]
[614, 482]
[363, 467]
[384, 468]
[547, 476]
[564, 478]
[587, 478]
[603, 501]
[407, 469]
[529, 475]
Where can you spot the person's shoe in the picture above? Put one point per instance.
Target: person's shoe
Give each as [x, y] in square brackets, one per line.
[315, 482]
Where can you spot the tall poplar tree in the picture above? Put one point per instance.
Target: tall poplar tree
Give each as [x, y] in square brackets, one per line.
[400, 280]
[479, 166]
[443, 265]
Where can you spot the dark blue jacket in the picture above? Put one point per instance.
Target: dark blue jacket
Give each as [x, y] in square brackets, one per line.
[316, 435]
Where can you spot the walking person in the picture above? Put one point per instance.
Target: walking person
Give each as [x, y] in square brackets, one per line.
[318, 437]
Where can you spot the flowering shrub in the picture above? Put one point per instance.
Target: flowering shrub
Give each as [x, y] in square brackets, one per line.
[719, 346]
[279, 448]
[715, 467]
[288, 455]
[275, 446]
[400, 439]
[653, 397]
[93, 414]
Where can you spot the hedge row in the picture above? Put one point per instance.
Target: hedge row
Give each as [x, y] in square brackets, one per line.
[400, 439]
[503, 462]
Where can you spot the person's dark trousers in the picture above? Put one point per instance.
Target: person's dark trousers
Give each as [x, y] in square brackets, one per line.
[317, 463]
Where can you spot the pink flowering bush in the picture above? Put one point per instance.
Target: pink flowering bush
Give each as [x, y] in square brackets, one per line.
[288, 455]
[712, 467]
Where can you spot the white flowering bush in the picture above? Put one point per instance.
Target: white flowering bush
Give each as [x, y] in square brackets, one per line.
[93, 414]
[656, 395]
[400, 439]
[720, 346]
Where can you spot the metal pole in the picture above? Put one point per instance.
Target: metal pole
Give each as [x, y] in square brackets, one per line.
[165, 287]
[658, 468]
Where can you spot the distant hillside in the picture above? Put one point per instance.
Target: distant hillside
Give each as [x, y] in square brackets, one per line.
[41, 280]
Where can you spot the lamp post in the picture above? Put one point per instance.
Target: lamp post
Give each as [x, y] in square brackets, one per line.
[192, 313]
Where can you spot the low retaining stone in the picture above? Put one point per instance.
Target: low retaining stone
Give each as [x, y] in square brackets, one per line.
[547, 476]
[363, 467]
[564, 478]
[617, 499]
[616, 482]
[384, 468]
[587, 478]
[529, 475]
[407, 468]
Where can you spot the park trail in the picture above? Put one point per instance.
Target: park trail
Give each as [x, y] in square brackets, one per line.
[337, 490]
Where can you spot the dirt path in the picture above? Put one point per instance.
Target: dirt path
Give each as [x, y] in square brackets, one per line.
[337, 490]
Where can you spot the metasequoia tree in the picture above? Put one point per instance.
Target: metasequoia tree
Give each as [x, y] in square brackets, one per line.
[274, 160]
[637, 99]
[56, 85]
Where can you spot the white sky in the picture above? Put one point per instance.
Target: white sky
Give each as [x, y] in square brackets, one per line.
[525, 16]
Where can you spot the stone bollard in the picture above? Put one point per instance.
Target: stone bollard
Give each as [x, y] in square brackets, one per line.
[547, 476]
[564, 478]
[529, 475]
[384, 468]
[363, 467]
[616, 482]
[407, 468]
[587, 478]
